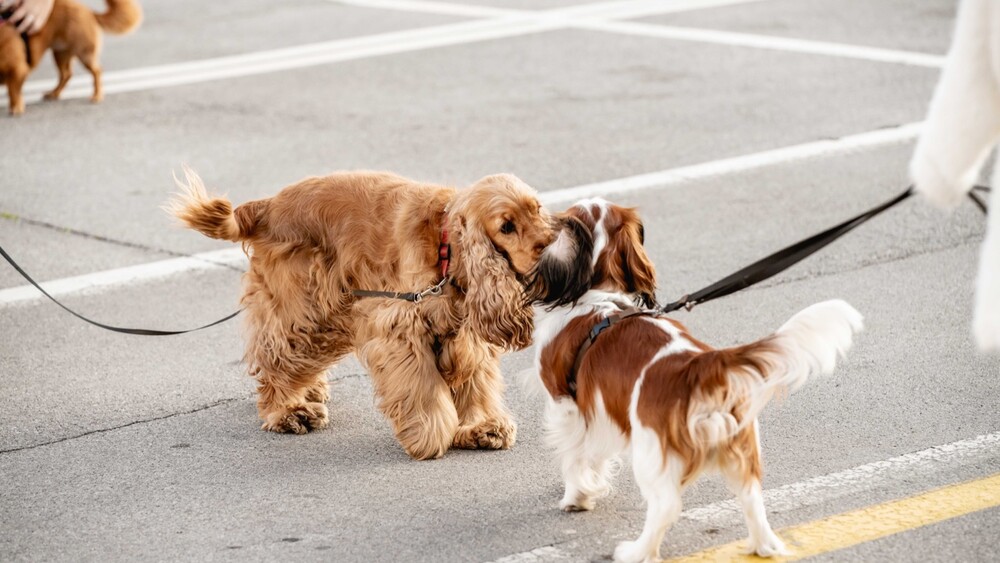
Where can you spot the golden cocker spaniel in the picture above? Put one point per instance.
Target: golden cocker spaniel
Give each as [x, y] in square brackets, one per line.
[434, 362]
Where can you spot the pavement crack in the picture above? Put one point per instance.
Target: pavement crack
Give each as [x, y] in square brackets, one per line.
[117, 242]
[133, 423]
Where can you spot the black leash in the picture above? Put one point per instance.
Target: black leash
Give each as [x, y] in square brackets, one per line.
[789, 256]
[139, 331]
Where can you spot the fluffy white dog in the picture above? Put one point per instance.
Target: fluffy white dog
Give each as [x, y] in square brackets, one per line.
[963, 125]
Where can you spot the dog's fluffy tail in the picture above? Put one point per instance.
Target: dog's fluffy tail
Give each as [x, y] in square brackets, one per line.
[123, 16]
[211, 216]
[807, 345]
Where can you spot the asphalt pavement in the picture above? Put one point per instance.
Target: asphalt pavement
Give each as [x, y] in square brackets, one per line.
[735, 126]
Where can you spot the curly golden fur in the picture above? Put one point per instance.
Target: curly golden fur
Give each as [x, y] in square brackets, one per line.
[434, 364]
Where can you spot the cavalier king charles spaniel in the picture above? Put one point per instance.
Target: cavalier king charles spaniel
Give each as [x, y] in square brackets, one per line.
[434, 361]
[622, 376]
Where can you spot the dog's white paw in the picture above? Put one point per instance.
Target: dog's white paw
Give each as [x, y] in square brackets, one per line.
[768, 546]
[576, 504]
[633, 552]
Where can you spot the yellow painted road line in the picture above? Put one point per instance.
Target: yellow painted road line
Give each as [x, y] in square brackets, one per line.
[867, 524]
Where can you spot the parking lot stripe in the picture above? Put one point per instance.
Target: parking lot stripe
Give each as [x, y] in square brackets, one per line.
[739, 164]
[123, 276]
[871, 523]
[822, 489]
[718, 37]
[783, 44]
[314, 54]
[659, 180]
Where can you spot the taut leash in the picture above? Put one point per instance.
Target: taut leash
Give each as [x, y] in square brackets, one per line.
[791, 255]
[137, 331]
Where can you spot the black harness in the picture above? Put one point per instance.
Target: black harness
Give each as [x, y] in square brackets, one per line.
[604, 324]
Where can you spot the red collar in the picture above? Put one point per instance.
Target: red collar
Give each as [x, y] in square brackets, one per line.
[444, 250]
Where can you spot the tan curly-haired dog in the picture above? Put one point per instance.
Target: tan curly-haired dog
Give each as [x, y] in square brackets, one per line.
[434, 363]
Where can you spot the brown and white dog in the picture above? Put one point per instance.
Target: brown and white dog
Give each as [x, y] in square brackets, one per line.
[72, 30]
[434, 363]
[645, 385]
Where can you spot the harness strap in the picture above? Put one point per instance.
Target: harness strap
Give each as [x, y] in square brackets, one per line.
[595, 331]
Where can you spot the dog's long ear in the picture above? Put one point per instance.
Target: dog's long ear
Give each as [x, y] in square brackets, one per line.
[496, 306]
[634, 271]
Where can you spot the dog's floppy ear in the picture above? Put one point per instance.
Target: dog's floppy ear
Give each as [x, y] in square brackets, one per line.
[496, 307]
[627, 263]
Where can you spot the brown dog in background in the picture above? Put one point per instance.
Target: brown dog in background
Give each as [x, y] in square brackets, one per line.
[72, 30]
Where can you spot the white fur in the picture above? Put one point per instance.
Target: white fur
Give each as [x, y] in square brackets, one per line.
[963, 124]
[600, 232]
[563, 248]
[809, 344]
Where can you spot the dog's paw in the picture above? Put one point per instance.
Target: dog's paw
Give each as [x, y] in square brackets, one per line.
[51, 96]
[491, 434]
[581, 504]
[17, 110]
[769, 546]
[632, 552]
[97, 98]
[299, 419]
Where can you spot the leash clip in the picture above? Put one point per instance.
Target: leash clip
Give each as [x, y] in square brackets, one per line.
[432, 291]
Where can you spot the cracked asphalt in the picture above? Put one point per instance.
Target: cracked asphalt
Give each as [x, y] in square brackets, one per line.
[125, 448]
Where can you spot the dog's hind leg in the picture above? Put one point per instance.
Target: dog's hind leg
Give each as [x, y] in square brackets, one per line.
[659, 480]
[742, 472]
[64, 60]
[290, 367]
[89, 60]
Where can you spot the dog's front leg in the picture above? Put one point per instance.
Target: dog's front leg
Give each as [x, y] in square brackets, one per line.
[472, 368]
[398, 351]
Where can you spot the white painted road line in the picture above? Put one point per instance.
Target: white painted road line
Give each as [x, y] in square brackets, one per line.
[303, 56]
[733, 165]
[123, 276]
[658, 180]
[912, 467]
[868, 477]
[600, 22]
[503, 24]
[767, 42]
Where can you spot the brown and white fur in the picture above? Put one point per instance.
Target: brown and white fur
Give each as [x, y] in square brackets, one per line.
[434, 364]
[646, 386]
[72, 30]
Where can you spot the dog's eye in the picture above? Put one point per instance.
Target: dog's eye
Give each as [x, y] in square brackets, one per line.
[508, 227]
